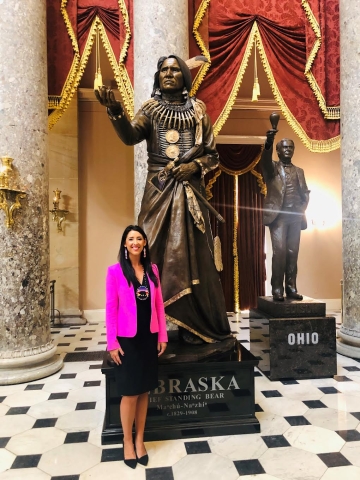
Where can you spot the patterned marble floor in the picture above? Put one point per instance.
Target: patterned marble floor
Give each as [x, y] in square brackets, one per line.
[50, 428]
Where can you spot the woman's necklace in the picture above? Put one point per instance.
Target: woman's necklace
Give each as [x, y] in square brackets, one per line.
[142, 292]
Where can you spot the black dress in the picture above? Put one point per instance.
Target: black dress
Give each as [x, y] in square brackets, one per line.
[138, 372]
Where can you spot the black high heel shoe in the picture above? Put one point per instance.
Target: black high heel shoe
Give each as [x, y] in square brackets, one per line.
[144, 460]
[132, 462]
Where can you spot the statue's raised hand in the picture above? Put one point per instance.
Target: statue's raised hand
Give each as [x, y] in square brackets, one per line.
[107, 98]
[270, 136]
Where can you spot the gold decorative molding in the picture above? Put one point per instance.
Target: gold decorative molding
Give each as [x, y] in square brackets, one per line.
[262, 105]
[240, 139]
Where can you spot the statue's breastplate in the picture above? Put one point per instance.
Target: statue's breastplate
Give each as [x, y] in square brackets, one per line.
[175, 143]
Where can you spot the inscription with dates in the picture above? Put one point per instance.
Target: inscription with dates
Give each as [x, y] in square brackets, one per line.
[196, 396]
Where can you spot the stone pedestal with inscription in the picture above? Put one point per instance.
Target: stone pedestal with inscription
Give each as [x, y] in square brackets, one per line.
[293, 339]
[195, 398]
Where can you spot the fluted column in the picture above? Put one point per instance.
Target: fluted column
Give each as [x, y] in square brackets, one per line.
[349, 334]
[160, 29]
[26, 349]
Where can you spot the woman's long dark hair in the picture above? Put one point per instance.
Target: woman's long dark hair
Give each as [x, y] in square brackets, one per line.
[125, 264]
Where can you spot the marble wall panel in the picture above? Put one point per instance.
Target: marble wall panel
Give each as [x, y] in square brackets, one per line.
[64, 245]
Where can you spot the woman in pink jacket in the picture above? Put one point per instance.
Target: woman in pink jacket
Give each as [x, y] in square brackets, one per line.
[136, 335]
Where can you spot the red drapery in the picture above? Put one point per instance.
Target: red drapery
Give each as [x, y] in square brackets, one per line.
[236, 195]
[71, 30]
[223, 201]
[109, 18]
[251, 238]
[298, 44]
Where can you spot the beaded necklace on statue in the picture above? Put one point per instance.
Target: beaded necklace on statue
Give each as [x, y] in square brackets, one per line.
[171, 115]
[142, 292]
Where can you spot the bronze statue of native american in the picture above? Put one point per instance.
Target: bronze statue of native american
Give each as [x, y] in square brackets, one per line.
[181, 150]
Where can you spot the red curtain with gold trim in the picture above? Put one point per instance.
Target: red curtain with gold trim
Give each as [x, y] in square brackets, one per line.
[242, 236]
[71, 30]
[60, 52]
[298, 44]
[322, 41]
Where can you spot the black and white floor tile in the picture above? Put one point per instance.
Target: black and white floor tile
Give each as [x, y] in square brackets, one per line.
[50, 429]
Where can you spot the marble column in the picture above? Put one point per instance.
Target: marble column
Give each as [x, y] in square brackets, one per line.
[160, 29]
[349, 334]
[26, 349]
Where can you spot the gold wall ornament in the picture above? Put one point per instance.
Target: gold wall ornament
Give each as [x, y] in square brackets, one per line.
[9, 198]
[58, 215]
[56, 199]
[10, 202]
[6, 168]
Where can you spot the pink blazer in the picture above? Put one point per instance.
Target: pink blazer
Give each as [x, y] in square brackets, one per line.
[121, 313]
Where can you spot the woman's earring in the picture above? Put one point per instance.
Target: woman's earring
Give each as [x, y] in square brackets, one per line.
[144, 252]
[185, 93]
[125, 253]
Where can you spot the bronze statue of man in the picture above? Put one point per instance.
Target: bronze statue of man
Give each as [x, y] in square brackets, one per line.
[284, 212]
[181, 150]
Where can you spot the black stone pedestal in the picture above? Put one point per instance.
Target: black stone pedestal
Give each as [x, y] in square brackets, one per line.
[293, 339]
[213, 394]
